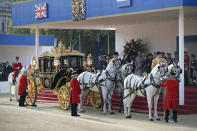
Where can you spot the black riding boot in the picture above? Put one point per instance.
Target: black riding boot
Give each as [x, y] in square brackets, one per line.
[175, 116]
[166, 115]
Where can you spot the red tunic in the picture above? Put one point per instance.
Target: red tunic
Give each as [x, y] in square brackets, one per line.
[172, 87]
[16, 67]
[75, 91]
[22, 85]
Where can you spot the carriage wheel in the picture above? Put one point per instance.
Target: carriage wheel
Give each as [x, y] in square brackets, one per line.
[64, 97]
[95, 99]
[32, 91]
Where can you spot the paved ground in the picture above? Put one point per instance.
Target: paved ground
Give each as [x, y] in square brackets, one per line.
[49, 117]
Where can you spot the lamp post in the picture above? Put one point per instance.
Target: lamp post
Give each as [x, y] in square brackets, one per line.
[34, 63]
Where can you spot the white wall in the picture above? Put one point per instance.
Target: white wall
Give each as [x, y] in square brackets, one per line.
[161, 36]
[8, 53]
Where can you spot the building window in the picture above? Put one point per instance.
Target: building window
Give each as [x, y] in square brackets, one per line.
[3, 27]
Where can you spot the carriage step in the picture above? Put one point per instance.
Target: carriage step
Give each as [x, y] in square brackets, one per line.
[47, 98]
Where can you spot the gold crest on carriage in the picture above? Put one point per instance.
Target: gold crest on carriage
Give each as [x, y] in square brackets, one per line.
[78, 10]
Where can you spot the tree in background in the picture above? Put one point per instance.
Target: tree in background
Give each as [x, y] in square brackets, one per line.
[88, 39]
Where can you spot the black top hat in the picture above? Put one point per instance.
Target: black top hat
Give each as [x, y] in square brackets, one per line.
[149, 54]
[74, 73]
[172, 73]
[116, 53]
[158, 52]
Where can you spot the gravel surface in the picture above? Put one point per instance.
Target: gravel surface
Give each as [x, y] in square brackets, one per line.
[49, 117]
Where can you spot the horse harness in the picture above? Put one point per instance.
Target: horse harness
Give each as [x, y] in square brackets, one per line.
[142, 86]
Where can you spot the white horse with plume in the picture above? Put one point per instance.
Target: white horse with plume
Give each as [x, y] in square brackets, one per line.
[103, 82]
[144, 86]
[14, 88]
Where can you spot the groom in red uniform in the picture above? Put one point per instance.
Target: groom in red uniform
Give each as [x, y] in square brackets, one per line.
[22, 88]
[75, 92]
[16, 67]
[170, 99]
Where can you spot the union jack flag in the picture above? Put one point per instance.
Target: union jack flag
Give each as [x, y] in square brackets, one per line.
[41, 11]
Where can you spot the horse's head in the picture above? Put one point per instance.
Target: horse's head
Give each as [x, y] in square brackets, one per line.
[127, 69]
[24, 70]
[160, 71]
[116, 65]
[175, 69]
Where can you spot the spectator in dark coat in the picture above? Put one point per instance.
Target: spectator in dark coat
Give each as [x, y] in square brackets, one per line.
[147, 63]
[8, 70]
[100, 64]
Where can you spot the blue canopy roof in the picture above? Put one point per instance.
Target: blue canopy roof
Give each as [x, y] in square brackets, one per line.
[61, 10]
[27, 40]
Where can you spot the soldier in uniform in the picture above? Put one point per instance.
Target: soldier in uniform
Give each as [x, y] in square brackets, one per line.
[169, 59]
[147, 63]
[126, 59]
[116, 56]
[193, 68]
[170, 98]
[16, 67]
[22, 88]
[158, 59]
[75, 92]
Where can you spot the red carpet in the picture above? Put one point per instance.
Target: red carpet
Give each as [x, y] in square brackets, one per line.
[140, 103]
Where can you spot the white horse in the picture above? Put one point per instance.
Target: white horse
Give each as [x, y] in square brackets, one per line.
[126, 70]
[148, 86]
[14, 88]
[103, 82]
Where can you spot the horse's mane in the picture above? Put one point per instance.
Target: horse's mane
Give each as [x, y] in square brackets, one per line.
[111, 62]
[154, 69]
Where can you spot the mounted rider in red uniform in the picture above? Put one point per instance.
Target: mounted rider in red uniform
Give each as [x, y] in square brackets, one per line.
[16, 67]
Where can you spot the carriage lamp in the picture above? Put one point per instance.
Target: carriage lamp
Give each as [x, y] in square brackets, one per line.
[56, 63]
[34, 62]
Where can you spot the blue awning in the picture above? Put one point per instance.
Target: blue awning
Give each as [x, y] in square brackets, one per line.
[25, 40]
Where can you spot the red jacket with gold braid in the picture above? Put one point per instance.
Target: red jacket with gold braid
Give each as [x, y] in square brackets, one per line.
[75, 91]
[16, 67]
[22, 85]
[172, 87]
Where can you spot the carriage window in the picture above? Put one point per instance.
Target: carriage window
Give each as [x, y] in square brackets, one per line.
[73, 62]
[40, 65]
[46, 65]
[52, 65]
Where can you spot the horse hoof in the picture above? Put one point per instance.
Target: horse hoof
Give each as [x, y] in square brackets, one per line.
[10, 99]
[151, 119]
[128, 117]
[158, 119]
[112, 113]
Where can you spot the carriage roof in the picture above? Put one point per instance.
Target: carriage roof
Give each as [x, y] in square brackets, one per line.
[61, 51]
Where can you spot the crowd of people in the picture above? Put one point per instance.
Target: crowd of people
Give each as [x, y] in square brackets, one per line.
[5, 69]
[143, 63]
